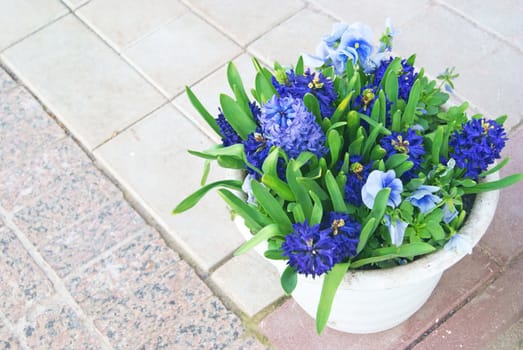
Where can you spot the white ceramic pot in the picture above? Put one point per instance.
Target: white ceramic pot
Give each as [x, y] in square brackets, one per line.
[376, 300]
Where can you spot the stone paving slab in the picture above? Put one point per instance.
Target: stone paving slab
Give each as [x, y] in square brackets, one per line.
[6, 81]
[68, 66]
[151, 158]
[257, 16]
[142, 17]
[80, 269]
[24, 128]
[289, 326]
[164, 54]
[21, 18]
[479, 321]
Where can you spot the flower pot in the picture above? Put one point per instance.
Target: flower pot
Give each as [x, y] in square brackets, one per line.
[369, 301]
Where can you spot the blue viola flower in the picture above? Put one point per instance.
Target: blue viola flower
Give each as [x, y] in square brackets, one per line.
[311, 251]
[286, 123]
[314, 83]
[424, 199]
[477, 146]
[408, 143]
[396, 230]
[345, 44]
[346, 235]
[459, 243]
[356, 178]
[379, 180]
[449, 212]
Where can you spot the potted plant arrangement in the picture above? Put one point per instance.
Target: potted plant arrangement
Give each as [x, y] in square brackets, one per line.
[358, 180]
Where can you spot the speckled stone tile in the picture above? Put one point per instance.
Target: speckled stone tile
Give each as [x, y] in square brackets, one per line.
[6, 82]
[34, 176]
[143, 294]
[7, 339]
[75, 198]
[103, 284]
[23, 283]
[76, 245]
[57, 326]
[247, 343]
[24, 127]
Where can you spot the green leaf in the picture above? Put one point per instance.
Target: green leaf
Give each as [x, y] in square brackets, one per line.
[230, 162]
[206, 170]
[236, 84]
[371, 141]
[297, 212]
[194, 198]
[396, 121]
[311, 185]
[353, 123]
[356, 146]
[331, 283]
[375, 124]
[496, 168]
[253, 218]
[274, 254]
[494, 185]
[334, 191]
[342, 107]
[208, 117]
[410, 109]
[401, 169]
[317, 210]
[289, 280]
[300, 193]
[271, 206]
[377, 153]
[404, 251]
[436, 145]
[263, 235]
[299, 69]
[334, 143]
[391, 86]
[281, 188]
[312, 104]
[395, 160]
[501, 120]
[240, 121]
[375, 215]
[264, 88]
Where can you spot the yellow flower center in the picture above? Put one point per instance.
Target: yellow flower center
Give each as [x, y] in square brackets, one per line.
[315, 83]
[401, 145]
[336, 225]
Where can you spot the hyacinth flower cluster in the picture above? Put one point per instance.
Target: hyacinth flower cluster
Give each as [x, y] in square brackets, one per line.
[348, 158]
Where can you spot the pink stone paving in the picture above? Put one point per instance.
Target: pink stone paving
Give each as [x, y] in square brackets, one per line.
[80, 269]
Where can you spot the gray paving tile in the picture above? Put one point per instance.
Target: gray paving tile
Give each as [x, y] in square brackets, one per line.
[93, 91]
[151, 161]
[432, 37]
[244, 21]
[24, 127]
[289, 40]
[250, 281]
[181, 52]
[493, 84]
[141, 18]
[374, 12]
[21, 18]
[23, 283]
[7, 338]
[502, 16]
[74, 4]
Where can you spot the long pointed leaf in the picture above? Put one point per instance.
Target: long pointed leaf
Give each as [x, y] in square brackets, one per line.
[271, 206]
[331, 283]
[194, 198]
[253, 218]
[208, 117]
[338, 203]
[263, 235]
[240, 121]
[289, 280]
[494, 185]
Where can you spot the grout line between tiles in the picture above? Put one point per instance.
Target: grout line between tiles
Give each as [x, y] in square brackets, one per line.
[51, 274]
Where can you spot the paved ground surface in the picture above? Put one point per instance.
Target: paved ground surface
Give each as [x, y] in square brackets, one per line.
[94, 127]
